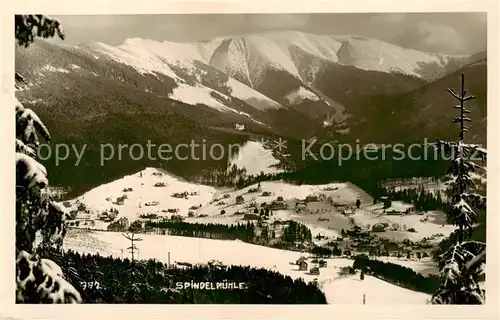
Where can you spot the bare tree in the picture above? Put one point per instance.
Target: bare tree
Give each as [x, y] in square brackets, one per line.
[132, 237]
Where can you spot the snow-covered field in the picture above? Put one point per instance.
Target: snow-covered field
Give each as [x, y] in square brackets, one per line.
[255, 158]
[301, 94]
[350, 290]
[338, 290]
[140, 199]
[198, 94]
[424, 266]
[251, 96]
[427, 225]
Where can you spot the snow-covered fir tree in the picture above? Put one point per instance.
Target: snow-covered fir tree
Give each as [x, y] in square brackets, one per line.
[463, 263]
[39, 219]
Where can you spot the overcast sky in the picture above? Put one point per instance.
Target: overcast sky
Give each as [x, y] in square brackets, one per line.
[434, 32]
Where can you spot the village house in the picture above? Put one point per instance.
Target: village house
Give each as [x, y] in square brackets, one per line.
[240, 200]
[302, 265]
[277, 205]
[315, 198]
[394, 212]
[160, 184]
[250, 216]
[299, 260]
[322, 263]
[278, 223]
[315, 282]
[83, 216]
[378, 227]
[121, 200]
[108, 219]
[81, 207]
[123, 221]
[314, 271]
[348, 211]
[182, 265]
[300, 207]
[102, 215]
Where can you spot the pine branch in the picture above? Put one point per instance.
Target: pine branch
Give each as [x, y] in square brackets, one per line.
[29, 172]
[454, 94]
[24, 149]
[28, 123]
[40, 280]
[476, 260]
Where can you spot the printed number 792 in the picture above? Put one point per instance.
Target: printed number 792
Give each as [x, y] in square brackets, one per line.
[90, 285]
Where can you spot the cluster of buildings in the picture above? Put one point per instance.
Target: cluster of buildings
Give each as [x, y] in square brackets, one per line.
[316, 265]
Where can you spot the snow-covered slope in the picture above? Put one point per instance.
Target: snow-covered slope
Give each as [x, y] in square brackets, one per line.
[198, 94]
[177, 60]
[153, 191]
[251, 96]
[376, 55]
[143, 193]
[338, 290]
[350, 290]
[255, 158]
[301, 94]
[155, 185]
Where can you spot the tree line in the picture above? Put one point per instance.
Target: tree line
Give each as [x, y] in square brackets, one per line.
[296, 232]
[292, 233]
[421, 199]
[243, 232]
[111, 280]
[398, 275]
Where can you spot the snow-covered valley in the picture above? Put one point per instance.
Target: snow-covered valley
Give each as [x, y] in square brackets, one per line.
[338, 289]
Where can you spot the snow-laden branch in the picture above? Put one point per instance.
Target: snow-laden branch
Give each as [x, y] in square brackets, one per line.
[24, 149]
[29, 172]
[28, 123]
[472, 264]
[40, 280]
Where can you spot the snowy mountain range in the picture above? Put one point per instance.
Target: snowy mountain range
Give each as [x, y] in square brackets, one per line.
[244, 75]
[247, 57]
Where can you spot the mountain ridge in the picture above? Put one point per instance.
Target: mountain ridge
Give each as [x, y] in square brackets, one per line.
[321, 46]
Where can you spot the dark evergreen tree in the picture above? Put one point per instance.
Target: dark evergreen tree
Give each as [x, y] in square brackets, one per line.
[462, 264]
[387, 203]
[36, 209]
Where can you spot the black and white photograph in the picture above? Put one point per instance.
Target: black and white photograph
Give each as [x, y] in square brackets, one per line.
[251, 158]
